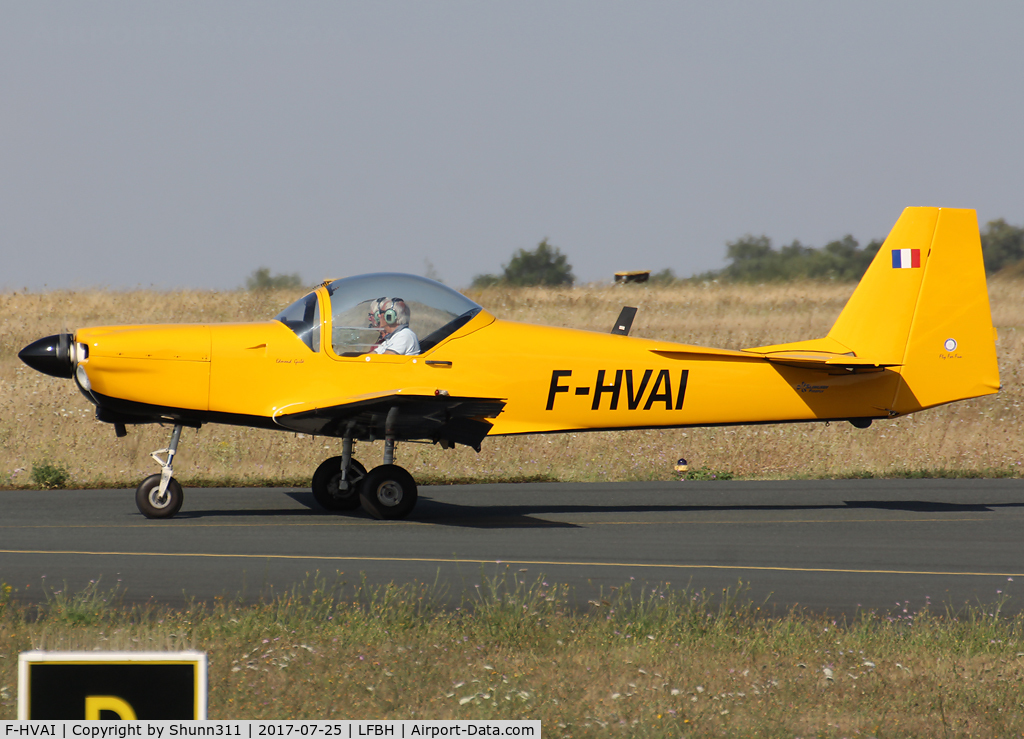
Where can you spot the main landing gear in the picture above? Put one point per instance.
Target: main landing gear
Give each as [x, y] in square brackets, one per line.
[339, 484]
[385, 492]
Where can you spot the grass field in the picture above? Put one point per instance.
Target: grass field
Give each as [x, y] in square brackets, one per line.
[46, 421]
[637, 663]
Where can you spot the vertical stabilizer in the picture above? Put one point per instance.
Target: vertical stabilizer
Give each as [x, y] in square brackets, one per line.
[923, 305]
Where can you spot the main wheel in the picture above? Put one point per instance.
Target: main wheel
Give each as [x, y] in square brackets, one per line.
[388, 492]
[150, 502]
[326, 480]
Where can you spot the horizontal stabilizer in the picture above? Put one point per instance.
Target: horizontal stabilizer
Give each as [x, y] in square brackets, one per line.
[822, 361]
[798, 354]
[820, 354]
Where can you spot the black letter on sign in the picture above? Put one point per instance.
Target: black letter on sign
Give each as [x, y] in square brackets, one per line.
[555, 387]
[682, 389]
[602, 388]
[664, 396]
[634, 400]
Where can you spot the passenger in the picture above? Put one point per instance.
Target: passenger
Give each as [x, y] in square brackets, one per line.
[392, 317]
[374, 321]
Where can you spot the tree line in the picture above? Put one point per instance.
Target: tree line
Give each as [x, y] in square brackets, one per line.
[751, 259]
[754, 259]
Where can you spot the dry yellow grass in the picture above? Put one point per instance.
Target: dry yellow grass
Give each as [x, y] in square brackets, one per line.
[44, 419]
[645, 661]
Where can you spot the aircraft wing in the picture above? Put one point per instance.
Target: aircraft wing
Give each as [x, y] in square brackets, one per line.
[409, 413]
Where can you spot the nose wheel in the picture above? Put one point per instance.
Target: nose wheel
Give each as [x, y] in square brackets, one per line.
[153, 503]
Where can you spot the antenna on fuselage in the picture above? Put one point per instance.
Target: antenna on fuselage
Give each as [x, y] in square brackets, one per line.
[625, 321]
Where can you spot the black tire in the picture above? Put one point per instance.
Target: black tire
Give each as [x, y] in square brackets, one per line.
[388, 492]
[150, 505]
[325, 485]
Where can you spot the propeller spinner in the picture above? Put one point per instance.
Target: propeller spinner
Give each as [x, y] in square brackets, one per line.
[50, 355]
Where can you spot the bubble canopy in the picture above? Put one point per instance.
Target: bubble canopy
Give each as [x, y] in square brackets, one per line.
[435, 311]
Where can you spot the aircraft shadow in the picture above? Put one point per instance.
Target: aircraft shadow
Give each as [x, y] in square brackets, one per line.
[925, 506]
[449, 515]
[427, 511]
[442, 513]
[453, 514]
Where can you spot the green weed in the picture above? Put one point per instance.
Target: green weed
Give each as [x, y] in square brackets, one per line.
[705, 473]
[50, 476]
[86, 607]
[5, 597]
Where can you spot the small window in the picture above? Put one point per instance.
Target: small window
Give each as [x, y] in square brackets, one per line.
[303, 317]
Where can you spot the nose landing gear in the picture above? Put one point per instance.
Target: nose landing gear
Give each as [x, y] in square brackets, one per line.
[160, 495]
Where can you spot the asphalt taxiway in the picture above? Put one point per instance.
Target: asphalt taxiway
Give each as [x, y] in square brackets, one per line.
[826, 546]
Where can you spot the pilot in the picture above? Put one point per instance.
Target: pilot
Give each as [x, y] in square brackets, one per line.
[392, 316]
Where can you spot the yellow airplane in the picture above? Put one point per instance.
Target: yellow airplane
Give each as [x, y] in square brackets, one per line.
[916, 333]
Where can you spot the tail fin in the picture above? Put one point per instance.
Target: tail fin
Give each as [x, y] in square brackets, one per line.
[923, 305]
[920, 310]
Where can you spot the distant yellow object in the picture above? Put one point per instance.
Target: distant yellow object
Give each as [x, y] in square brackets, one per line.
[916, 333]
[641, 275]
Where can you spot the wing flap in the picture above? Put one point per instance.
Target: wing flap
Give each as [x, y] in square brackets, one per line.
[351, 400]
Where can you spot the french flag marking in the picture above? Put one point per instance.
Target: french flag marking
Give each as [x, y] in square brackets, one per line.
[906, 258]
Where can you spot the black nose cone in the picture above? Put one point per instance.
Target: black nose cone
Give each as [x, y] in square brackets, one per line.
[51, 356]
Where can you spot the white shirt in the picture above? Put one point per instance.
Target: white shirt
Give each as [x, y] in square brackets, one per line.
[401, 341]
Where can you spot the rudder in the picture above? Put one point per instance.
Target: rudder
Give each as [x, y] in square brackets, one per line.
[951, 352]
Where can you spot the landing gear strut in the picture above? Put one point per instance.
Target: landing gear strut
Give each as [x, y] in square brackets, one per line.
[388, 492]
[160, 496]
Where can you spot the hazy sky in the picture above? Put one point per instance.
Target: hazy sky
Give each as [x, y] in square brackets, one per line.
[185, 144]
